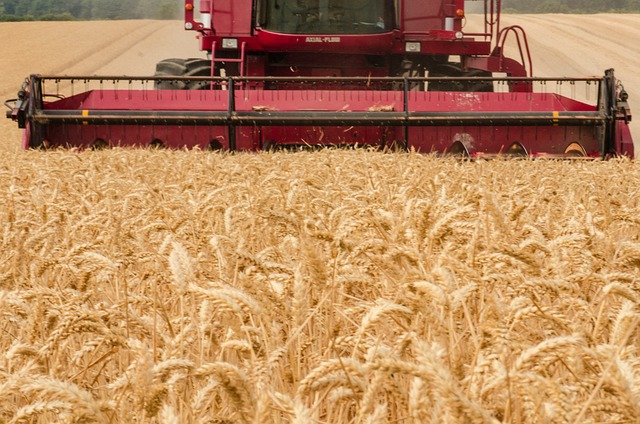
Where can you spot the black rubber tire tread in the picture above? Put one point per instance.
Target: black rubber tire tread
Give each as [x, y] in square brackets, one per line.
[480, 86]
[198, 68]
[445, 70]
[182, 68]
[193, 63]
[454, 70]
[171, 67]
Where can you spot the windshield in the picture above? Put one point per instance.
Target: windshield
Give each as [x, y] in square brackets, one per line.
[326, 16]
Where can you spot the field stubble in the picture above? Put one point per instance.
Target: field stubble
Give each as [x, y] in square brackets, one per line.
[336, 286]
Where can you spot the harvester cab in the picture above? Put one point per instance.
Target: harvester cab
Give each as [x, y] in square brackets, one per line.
[299, 74]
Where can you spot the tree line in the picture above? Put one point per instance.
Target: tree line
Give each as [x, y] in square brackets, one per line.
[571, 6]
[21, 10]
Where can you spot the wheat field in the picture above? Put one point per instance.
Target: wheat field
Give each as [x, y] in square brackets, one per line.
[165, 287]
[325, 287]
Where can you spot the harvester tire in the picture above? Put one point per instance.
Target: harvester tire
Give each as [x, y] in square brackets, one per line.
[194, 67]
[479, 86]
[454, 70]
[442, 71]
[198, 68]
[170, 68]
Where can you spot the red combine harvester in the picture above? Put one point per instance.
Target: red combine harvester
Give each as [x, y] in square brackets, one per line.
[296, 74]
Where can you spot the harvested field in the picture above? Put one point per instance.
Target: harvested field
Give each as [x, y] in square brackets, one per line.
[335, 286]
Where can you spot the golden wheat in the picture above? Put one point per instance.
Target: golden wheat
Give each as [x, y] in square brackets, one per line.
[334, 286]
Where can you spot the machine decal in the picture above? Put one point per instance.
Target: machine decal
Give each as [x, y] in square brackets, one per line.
[322, 39]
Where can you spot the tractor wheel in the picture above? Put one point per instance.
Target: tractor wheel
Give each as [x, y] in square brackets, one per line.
[183, 68]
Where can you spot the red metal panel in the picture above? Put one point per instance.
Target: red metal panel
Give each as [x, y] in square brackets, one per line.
[445, 101]
[456, 47]
[177, 100]
[345, 44]
[421, 16]
[326, 111]
[318, 100]
[232, 17]
[495, 139]
[176, 137]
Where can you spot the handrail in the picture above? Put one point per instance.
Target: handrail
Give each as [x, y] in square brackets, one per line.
[518, 31]
[237, 79]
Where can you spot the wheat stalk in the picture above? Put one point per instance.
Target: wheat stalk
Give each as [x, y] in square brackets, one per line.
[338, 286]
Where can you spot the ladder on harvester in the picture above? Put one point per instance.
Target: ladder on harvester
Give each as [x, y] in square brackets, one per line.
[240, 60]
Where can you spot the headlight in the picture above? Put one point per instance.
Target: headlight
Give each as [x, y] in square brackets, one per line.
[459, 35]
[229, 43]
[412, 47]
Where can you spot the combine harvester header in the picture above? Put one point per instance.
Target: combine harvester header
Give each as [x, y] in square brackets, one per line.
[294, 74]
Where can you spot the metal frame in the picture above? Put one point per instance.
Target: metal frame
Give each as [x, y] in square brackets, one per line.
[34, 112]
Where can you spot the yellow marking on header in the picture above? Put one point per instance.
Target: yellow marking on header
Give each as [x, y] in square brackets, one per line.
[85, 112]
[556, 118]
